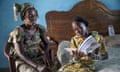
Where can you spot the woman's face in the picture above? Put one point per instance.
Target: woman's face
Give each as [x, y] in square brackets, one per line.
[80, 30]
[30, 17]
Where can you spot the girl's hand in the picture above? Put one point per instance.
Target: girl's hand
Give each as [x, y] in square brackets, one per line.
[40, 68]
[43, 68]
[49, 57]
[78, 54]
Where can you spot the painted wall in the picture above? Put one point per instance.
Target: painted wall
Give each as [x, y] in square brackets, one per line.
[7, 23]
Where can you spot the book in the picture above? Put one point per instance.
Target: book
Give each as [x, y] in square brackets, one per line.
[88, 45]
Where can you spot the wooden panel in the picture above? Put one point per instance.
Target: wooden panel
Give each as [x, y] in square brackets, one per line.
[97, 14]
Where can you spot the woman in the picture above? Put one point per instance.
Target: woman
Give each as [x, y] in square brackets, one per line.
[83, 62]
[31, 48]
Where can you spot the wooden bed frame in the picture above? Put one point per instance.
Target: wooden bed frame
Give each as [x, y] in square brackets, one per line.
[97, 14]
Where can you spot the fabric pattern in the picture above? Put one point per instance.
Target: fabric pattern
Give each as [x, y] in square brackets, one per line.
[84, 64]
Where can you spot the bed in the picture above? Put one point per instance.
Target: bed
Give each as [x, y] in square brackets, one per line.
[96, 13]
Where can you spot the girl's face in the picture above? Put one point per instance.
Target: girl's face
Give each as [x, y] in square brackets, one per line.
[30, 17]
[80, 30]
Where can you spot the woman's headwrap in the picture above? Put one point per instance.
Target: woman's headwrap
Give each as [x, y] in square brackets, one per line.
[22, 8]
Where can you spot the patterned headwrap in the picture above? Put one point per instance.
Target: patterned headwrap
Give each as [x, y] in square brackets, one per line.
[22, 8]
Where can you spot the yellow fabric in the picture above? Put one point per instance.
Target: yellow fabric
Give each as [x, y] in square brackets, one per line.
[77, 41]
[102, 48]
[84, 64]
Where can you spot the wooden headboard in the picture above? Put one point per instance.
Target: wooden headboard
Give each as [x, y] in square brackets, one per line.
[97, 14]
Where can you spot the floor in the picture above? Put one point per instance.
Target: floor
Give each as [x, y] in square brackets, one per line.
[4, 69]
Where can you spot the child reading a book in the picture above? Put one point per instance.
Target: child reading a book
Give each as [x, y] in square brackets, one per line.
[83, 62]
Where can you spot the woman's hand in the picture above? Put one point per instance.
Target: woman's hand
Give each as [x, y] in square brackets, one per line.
[40, 68]
[43, 68]
[48, 57]
[77, 54]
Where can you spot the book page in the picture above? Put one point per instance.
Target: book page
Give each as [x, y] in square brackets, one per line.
[93, 47]
[89, 42]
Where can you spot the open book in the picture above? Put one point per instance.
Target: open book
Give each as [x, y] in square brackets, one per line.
[88, 45]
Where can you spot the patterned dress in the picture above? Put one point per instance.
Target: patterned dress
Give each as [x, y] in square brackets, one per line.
[31, 47]
[84, 64]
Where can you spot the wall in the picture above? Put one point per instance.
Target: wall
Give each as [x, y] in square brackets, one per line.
[7, 23]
